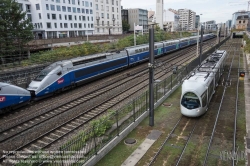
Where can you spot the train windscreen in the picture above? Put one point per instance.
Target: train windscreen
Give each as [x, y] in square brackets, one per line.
[190, 101]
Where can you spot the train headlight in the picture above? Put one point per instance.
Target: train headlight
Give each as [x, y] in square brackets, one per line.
[198, 110]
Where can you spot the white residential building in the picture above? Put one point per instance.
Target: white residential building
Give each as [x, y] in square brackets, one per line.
[187, 19]
[107, 18]
[210, 25]
[60, 18]
[171, 20]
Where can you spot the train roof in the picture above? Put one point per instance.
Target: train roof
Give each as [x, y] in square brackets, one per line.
[3, 84]
[203, 73]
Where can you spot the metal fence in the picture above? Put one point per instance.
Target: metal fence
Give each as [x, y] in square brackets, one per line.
[99, 133]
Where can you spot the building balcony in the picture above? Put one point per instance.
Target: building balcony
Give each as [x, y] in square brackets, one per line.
[113, 19]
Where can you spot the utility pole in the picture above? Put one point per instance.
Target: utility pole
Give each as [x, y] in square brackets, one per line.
[151, 76]
[201, 44]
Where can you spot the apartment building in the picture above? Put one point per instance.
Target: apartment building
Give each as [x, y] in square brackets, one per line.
[171, 20]
[187, 19]
[107, 17]
[210, 25]
[138, 17]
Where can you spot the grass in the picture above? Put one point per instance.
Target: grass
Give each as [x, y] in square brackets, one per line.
[162, 114]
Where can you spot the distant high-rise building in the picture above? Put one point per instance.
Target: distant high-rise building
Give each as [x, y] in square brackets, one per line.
[228, 24]
[210, 25]
[138, 17]
[187, 19]
[159, 13]
[171, 20]
[197, 21]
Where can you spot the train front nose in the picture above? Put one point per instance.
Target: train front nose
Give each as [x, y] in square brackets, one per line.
[33, 86]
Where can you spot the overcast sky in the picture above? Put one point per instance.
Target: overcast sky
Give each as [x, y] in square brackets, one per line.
[218, 10]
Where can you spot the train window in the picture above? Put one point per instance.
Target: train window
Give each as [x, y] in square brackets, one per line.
[41, 75]
[140, 50]
[155, 46]
[88, 60]
[204, 99]
[190, 100]
[0, 89]
[136, 51]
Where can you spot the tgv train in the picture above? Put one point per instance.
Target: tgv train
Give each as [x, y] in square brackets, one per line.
[198, 88]
[68, 73]
[12, 96]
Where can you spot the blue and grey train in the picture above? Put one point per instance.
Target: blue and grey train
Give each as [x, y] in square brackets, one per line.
[12, 97]
[199, 87]
[69, 73]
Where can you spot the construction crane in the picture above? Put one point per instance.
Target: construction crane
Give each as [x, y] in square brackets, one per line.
[240, 3]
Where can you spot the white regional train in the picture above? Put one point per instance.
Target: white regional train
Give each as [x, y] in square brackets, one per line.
[198, 88]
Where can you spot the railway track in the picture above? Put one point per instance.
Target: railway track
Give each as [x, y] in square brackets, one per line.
[174, 144]
[222, 137]
[74, 123]
[176, 150]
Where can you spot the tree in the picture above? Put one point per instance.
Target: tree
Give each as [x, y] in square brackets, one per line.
[15, 28]
[125, 26]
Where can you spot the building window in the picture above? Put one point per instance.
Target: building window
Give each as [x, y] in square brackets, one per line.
[239, 22]
[48, 16]
[41, 25]
[58, 7]
[37, 6]
[87, 11]
[52, 7]
[102, 15]
[74, 10]
[80, 25]
[75, 25]
[64, 8]
[83, 18]
[60, 16]
[29, 17]
[80, 18]
[55, 24]
[65, 17]
[83, 10]
[107, 16]
[61, 26]
[58, 1]
[73, 2]
[96, 6]
[53, 16]
[70, 17]
[113, 3]
[78, 10]
[243, 21]
[78, 2]
[71, 25]
[102, 23]
[113, 9]
[116, 3]
[47, 7]
[82, 3]
[69, 1]
[21, 6]
[39, 15]
[88, 18]
[48, 25]
[90, 11]
[75, 18]
[86, 3]
[90, 4]
[107, 1]
[28, 8]
[69, 9]
[65, 25]
[64, 1]
[92, 19]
